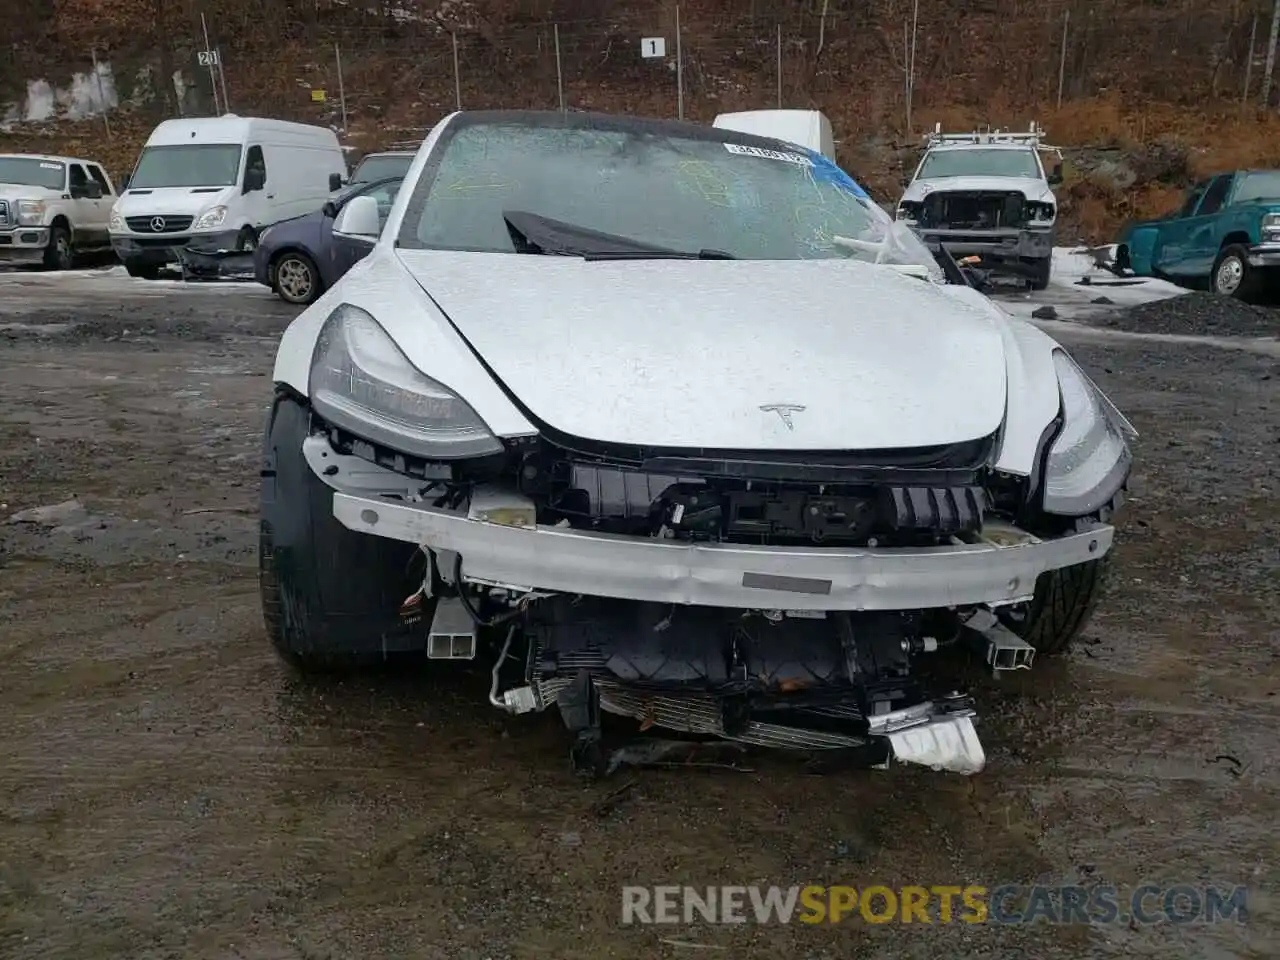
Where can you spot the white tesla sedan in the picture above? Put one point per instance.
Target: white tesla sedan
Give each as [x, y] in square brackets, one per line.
[672, 422]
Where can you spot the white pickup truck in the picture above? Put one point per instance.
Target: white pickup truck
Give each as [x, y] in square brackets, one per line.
[52, 209]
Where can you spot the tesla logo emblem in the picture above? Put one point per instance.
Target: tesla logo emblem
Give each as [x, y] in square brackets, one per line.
[157, 224]
[783, 410]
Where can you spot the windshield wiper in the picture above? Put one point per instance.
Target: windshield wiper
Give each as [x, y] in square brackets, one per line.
[536, 234]
[704, 254]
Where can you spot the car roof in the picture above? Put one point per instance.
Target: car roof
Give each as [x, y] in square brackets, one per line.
[588, 120]
[47, 157]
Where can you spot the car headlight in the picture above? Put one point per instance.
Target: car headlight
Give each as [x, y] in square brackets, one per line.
[362, 382]
[117, 224]
[1271, 226]
[212, 217]
[30, 213]
[1089, 459]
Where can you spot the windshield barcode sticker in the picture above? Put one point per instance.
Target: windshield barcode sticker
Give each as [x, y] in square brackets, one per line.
[745, 151]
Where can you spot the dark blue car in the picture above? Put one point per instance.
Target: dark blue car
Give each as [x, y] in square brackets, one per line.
[301, 258]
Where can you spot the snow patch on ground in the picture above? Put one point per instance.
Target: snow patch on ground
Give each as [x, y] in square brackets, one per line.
[1077, 282]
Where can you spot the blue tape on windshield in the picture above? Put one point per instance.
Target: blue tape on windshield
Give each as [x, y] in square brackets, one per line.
[824, 171]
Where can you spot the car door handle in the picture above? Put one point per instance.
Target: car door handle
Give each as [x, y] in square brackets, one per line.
[271, 196]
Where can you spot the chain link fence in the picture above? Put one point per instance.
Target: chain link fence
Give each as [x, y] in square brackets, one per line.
[384, 72]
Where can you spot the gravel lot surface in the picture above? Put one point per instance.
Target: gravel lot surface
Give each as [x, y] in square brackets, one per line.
[167, 789]
[1199, 314]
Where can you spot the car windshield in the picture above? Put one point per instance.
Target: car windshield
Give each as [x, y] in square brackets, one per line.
[32, 172]
[1263, 185]
[378, 168]
[188, 165]
[971, 162]
[639, 188]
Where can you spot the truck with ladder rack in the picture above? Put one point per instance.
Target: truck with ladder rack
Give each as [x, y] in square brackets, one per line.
[988, 194]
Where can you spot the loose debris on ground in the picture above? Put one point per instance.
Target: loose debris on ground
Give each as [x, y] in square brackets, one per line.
[1198, 314]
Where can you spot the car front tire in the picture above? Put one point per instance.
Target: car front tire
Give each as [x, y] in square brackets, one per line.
[296, 279]
[142, 271]
[59, 255]
[330, 597]
[1063, 603]
[1233, 277]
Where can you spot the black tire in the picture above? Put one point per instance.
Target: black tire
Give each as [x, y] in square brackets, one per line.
[143, 271]
[302, 284]
[330, 597]
[1040, 279]
[59, 254]
[1248, 287]
[1060, 610]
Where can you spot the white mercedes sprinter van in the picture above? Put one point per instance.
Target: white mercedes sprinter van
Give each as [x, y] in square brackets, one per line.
[805, 128]
[212, 184]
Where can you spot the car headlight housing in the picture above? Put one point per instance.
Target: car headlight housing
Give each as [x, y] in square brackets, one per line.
[30, 213]
[117, 224]
[362, 382]
[1089, 459]
[212, 217]
[1271, 227]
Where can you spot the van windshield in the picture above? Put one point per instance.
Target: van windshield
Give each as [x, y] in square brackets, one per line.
[187, 165]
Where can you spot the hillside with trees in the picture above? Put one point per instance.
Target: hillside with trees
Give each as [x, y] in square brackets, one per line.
[1143, 94]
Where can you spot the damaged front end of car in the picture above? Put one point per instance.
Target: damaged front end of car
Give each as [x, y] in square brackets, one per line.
[779, 600]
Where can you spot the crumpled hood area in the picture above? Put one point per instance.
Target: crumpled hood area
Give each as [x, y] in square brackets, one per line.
[694, 354]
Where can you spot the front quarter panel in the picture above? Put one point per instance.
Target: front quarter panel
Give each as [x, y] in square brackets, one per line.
[382, 286]
[1032, 398]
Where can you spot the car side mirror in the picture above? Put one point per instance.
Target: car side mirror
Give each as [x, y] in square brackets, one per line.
[124, 182]
[359, 219]
[330, 209]
[335, 182]
[1055, 177]
[255, 178]
[93, 190]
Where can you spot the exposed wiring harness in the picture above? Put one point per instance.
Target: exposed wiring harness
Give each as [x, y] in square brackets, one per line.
[473, 613]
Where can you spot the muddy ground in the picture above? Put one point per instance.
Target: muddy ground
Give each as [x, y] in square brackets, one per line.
[167, 789]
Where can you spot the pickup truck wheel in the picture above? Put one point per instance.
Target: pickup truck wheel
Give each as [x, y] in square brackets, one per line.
[296, 279]
[1063, 603]
[1040, 279]
[1233, 277]
[58, 255]
[330, 597]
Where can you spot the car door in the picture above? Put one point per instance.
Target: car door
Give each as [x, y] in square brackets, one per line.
[1202, 234]
[1170, 253]
[104, 204]
[344, 251]
[257, 191]
[85, 224]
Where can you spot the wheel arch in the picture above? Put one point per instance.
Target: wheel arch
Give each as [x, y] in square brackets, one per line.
[1235, 237]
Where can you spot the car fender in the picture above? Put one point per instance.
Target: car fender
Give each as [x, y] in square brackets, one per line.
[380, 285]
[1033, 399]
